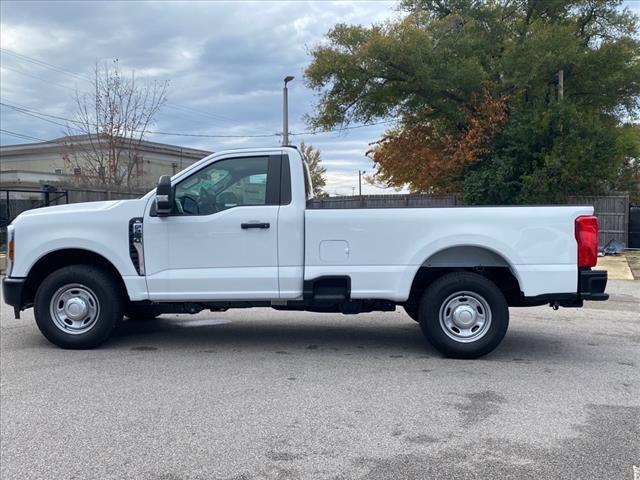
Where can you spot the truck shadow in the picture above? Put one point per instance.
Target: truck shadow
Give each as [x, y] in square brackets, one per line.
[393, 337]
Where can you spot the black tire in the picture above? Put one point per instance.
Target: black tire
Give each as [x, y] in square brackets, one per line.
[139, 313]
[413, 310]
[449, 293]
[104, 297]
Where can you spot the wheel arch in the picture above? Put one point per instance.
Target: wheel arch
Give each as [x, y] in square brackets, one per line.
[56, 259]
[480, 259]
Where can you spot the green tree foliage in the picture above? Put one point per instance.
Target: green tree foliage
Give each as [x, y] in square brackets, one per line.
[628, 178]
[445, 66]
[316, 170]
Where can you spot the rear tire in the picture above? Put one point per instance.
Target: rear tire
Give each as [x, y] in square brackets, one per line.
[78, 306]
[464, 315]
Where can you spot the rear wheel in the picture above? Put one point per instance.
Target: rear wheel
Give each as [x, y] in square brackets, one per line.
[464, 315]
[78, 306]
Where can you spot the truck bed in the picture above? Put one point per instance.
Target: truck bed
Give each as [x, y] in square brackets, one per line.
[381, 249]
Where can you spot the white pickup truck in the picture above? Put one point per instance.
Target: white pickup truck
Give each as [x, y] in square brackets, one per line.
[239, 229]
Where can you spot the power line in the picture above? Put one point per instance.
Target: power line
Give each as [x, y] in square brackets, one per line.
[338, 130]
[34, 114]
[48, 82]
[43, 64]
[55, 68]
[21, 135]
[186, 109]
[42, 115]
[202, 135]
[169, 104]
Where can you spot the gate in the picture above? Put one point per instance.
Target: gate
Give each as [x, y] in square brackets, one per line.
[14, 201]
[634, 226]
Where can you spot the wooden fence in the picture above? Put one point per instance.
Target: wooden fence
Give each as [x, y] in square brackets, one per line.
[612, 210]
[613, 216]
[387, 201]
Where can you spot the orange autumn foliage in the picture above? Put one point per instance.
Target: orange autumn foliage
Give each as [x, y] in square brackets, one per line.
[429, 160]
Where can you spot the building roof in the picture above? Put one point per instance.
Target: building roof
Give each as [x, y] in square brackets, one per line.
[145, 145]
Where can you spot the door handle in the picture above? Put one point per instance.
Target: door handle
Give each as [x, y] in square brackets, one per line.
[255, 225]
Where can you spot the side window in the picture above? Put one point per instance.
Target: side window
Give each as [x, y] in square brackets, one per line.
[225, 184]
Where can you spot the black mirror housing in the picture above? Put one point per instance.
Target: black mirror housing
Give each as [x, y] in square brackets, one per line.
[164, 196]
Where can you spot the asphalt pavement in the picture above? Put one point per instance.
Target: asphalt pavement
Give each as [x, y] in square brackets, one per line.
[262, 394]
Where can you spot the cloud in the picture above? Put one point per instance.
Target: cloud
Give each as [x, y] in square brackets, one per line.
[225, 62]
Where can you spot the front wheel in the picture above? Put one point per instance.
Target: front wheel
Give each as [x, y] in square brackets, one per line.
[413, 310]
[78, 307]
[464, 315]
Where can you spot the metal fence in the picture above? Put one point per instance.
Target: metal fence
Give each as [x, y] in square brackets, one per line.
[15, 201]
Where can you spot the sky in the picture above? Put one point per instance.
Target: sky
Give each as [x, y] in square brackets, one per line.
[225, 62]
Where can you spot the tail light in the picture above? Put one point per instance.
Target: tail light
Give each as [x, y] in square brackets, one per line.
[587, 237]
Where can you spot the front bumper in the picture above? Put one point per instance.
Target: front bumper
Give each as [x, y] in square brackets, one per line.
[13, 293]
[592, 284]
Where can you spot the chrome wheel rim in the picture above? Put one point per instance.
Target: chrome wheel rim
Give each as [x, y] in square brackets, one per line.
[465, 317]
[74, 309]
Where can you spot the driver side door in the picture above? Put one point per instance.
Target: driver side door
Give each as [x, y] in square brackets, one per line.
[221, 241]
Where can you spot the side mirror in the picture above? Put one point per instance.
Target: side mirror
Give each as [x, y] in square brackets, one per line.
[164, 200]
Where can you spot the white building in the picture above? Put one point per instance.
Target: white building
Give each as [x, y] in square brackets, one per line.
[31, 165]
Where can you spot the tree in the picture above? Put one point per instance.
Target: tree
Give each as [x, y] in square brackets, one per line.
[628, 178]
[473, 88]
[103, 139]
[315, 169]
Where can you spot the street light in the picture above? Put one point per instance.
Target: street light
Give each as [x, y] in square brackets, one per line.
[285, 111]
[360, 175]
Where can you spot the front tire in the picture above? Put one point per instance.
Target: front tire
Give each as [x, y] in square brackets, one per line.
[78, 307]
[413, 310]
[464, 315]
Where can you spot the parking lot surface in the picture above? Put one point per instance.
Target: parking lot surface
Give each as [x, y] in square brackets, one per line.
[262, 394]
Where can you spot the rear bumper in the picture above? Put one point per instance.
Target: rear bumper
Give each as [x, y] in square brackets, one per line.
[592, 284]
[13, 292]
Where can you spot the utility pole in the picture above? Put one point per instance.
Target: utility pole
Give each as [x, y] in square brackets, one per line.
[285, 111]
[560, 85]
[360, 175]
